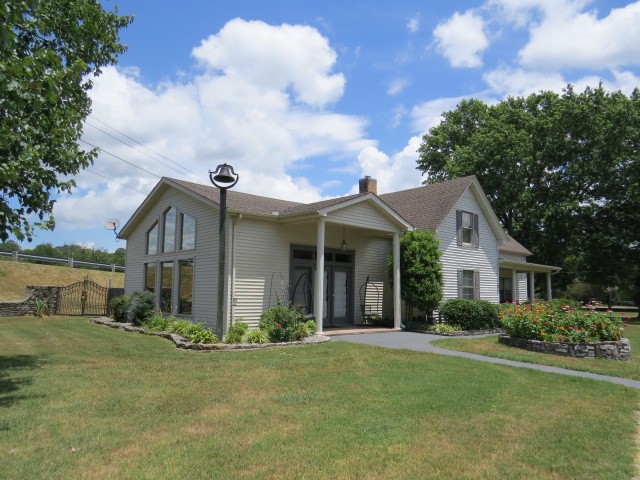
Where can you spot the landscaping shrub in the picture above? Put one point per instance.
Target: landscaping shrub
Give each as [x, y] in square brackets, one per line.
[566, 302]
[470, 314]
[158, 323]
[443, 328]
[236, 333]
[284, 324]
[377, 321]
[141, 307]
[257, 336]
[562, 323]
[120, 308]
[194, 332]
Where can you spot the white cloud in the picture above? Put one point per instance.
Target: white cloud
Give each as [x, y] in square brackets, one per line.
[519, 82]
[396, 86]
[429, 114]
[461, 39]
[585, 41]
[240, 110]
[413, 24]
[275, 57]
[394, 173]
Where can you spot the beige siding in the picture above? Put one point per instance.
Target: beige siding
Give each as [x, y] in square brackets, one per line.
[364, 215]
[262, 263]
[204, 255]
[454, 258]
[521, 279]
[513, 256]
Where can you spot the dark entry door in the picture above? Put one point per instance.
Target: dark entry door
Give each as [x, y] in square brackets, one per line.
[336, 299]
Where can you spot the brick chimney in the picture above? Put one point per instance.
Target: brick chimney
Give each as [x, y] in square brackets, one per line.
[368, 185]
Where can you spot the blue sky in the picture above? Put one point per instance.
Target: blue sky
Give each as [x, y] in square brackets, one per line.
[304, 98]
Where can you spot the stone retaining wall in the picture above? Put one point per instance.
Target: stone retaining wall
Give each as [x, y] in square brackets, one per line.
[620, 350]
[460, 333]
[28, 306]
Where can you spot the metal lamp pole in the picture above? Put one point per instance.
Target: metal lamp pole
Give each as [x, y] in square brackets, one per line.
[223, 177]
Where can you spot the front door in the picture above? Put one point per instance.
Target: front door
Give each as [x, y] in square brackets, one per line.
[336, 296]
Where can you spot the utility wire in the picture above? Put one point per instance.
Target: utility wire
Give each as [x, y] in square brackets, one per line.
[138, 150]
[115, 181]
[120, 158]
[142, 145]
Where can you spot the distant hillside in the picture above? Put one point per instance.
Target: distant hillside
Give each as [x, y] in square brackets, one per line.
[15, 276]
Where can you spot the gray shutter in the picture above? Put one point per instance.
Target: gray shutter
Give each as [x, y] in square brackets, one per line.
[476, 285]
[459, 227]
[460, 275]
[476, 230]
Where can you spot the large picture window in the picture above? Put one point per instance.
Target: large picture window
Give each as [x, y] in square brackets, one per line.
[185, 287]
[166, 286]
[188, 232]
[169, 239]
[152, 240]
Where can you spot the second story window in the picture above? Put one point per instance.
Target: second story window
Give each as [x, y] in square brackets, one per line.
[188, 232]
[152, 240]
[467, 230]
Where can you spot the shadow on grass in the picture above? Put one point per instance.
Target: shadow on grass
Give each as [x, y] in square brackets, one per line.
[11, 380]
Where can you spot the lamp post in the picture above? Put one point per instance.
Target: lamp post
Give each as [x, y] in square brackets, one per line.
[224, 178]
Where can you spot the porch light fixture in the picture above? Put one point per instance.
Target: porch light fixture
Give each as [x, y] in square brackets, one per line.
[343, 247]
[224, 178]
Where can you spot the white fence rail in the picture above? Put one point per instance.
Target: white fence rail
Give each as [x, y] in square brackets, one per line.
[69, 261]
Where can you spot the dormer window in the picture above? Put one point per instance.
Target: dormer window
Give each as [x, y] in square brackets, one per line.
[467, 228]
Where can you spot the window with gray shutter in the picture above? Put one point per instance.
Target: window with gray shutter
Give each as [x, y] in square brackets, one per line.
[469, 284]
[467, 228]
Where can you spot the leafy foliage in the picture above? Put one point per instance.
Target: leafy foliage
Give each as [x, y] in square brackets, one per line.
[562, 173]
[120, 308]
[141, 306]
[194, 332]
[257, 336]
[286, 324]
[420, 270]
[550, 322]
[444, 328]
[158, 322]
[41, 308]
[49, 50]
[236, 333]
[470, 314]
[77, 252]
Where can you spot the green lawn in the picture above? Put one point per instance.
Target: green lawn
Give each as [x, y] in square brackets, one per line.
[489, 346]
[79, 400]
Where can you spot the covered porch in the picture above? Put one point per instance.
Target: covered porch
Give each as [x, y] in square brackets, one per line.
[517, 280]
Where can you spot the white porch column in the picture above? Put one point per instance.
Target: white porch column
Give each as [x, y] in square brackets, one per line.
[514, 286]
[532, 290]
[549, 297]
[397, 305]
[318, 303]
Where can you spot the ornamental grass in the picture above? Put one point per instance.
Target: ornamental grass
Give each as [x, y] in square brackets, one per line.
[552, 322]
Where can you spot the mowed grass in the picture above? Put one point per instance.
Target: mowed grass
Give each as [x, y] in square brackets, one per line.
[79, 400]
[16, 276]
[489, 346]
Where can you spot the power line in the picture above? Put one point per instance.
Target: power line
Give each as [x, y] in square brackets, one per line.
[143, 146]
[116, 181]
[137, 150]
[120, 158]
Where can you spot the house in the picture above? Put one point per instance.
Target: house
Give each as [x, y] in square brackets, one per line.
[275, 247]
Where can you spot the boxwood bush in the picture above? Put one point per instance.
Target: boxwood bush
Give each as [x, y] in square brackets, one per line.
[120, 307]
[286, 324]
[470, 314]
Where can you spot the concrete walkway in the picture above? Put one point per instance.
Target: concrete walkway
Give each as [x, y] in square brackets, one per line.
[422, 343]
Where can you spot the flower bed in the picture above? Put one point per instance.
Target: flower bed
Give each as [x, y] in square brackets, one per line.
[185, 344]
[550, 327]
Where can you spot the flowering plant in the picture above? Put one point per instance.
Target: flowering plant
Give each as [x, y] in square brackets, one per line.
[560, 323]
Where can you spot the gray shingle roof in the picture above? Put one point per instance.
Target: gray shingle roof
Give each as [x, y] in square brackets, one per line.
[238, 201]
[513, 246]
[426, 207]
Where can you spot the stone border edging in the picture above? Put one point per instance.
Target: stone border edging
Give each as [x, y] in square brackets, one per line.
[460, 333]
[184, 344]
[620, 350]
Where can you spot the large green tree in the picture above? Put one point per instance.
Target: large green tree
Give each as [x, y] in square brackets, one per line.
[561, 171]
[421, 277]
[49, 49]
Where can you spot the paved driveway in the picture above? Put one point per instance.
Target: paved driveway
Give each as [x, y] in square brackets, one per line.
[421, 342]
